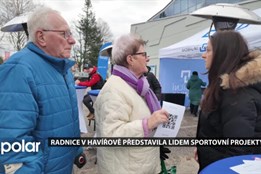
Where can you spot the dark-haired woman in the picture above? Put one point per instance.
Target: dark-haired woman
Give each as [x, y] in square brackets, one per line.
[231, 107]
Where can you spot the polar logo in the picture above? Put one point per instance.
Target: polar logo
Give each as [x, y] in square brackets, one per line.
[19, 147]
[203, 47]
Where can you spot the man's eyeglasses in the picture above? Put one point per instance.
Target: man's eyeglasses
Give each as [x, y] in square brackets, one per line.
[66, 34]
[141, 53]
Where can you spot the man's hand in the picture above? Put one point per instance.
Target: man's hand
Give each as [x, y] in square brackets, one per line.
[77, 82]
[80, 160]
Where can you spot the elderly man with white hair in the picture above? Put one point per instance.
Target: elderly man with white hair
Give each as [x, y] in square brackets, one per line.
[38, 99]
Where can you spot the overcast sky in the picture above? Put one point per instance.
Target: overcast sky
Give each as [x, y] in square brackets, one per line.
[119, 14]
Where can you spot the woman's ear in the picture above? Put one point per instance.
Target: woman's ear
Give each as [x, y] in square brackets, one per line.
[130, 60]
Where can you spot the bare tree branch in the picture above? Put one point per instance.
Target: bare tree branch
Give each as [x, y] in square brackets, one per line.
[10, 9]
[105, 30]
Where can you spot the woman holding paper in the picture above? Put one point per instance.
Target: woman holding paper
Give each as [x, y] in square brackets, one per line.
[231, 107]
[127, 107]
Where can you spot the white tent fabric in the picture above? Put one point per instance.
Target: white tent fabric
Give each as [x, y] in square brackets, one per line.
[16, 24]
[194, 46]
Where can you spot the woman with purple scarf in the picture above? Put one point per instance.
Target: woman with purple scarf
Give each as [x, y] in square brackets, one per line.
[127, 107]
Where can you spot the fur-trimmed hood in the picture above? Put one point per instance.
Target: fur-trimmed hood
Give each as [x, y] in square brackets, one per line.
[249, 74]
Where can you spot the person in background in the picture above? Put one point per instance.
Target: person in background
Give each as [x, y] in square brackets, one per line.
[231, 105]
[156, 88]
[127, 107]
[154, 83]
[94, 81]
[38, 98]
[194, 86]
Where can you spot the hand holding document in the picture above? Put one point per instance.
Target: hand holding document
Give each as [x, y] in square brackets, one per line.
[170, 129]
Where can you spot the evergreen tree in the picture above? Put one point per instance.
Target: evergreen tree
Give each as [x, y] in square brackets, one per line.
[90, 36]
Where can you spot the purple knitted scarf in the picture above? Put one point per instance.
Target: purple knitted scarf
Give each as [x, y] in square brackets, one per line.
[141, 85]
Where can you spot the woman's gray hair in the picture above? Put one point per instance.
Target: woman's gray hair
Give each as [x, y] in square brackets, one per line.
[125, 45]
[39, 20]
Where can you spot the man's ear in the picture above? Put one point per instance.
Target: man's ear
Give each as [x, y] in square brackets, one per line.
[40, 39]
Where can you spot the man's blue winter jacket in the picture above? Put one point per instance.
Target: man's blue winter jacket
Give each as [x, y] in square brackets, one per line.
[38, 101]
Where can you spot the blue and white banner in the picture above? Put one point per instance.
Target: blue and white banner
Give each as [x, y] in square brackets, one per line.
[103, 66]
[103, 61]
[175, 73]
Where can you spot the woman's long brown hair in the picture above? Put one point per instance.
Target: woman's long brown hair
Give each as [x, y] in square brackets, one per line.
[230, 52]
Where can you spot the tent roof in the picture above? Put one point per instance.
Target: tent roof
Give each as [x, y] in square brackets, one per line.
[194, 46]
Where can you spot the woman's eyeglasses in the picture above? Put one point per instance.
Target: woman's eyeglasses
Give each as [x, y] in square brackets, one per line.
[141, 53]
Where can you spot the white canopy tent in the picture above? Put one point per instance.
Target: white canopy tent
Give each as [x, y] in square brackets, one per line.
[16, 24]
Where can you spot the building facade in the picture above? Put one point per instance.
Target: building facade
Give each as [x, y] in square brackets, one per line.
[173, 24]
